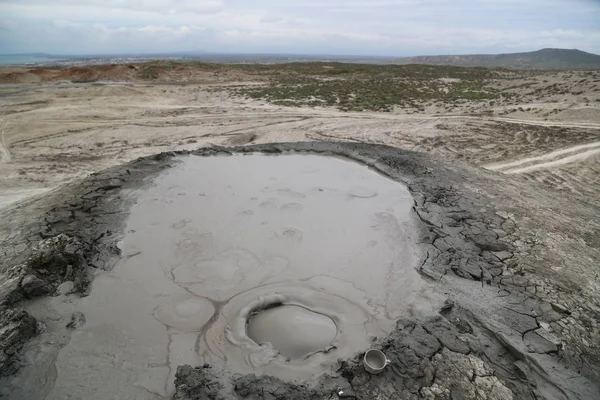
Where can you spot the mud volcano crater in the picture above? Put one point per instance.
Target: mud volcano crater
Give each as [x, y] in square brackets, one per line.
[294, 331]
[265, 264]
[274, 270]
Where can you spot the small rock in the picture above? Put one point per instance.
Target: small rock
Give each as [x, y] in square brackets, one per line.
[500, 233]
[71, 249]
[77, 320]
[560, 308]
[544, 333]
[552, 316]
[538, 344]
[34, 286]
[66, 287]
[346, 393]
[40, 328]
[503, 255]
[447, 334]
[546, 326]
[503, 214]
[462, 325]
[447, 306]
[487, 243]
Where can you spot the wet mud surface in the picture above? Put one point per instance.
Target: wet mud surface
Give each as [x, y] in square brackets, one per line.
[516, 266]
[214, 242]
[294, 331]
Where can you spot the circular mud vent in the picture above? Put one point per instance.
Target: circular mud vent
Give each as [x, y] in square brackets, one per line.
[294, 331]
[185, 313]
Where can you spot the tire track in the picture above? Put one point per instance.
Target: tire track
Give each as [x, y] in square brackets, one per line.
[4, 153]
[548, 156]
[549, 160]
[562, 161]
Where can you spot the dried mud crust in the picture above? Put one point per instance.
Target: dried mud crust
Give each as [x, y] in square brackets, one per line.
[518, 263]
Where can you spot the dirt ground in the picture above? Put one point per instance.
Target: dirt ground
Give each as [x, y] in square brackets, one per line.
[55, 130]
[506, 191]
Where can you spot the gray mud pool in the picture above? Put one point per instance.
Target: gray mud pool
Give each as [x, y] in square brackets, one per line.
[256, 264]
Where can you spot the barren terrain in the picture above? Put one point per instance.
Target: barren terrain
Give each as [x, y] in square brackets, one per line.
[543, 126]
[503, 167]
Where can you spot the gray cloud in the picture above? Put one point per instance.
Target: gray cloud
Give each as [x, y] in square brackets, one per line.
[162, 6]
[400, 27]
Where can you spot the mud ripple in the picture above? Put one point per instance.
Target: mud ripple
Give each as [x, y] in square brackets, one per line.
[185, 313]
[344, 327]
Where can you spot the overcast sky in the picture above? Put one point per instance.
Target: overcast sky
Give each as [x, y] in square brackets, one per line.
[358, 27]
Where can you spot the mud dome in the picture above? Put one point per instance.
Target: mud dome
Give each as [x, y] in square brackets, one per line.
[256, 264]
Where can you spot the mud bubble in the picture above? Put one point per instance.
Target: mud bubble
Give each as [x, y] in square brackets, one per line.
[294, 331]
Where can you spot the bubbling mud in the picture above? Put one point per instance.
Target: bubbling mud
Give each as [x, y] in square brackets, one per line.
[294, 331]
[245, 339]
[185, 313]
[256, 264]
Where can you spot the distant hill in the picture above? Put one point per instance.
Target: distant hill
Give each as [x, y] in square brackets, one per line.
[541, 59]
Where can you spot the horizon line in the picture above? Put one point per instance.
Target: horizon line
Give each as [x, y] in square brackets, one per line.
[203, 52]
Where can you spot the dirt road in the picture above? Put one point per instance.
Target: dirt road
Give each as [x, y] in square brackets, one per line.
[4, 153]
[555, 158]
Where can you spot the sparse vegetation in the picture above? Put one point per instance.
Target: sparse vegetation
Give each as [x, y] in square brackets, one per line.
[148, 72]
[412, 89]
[368, 87]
